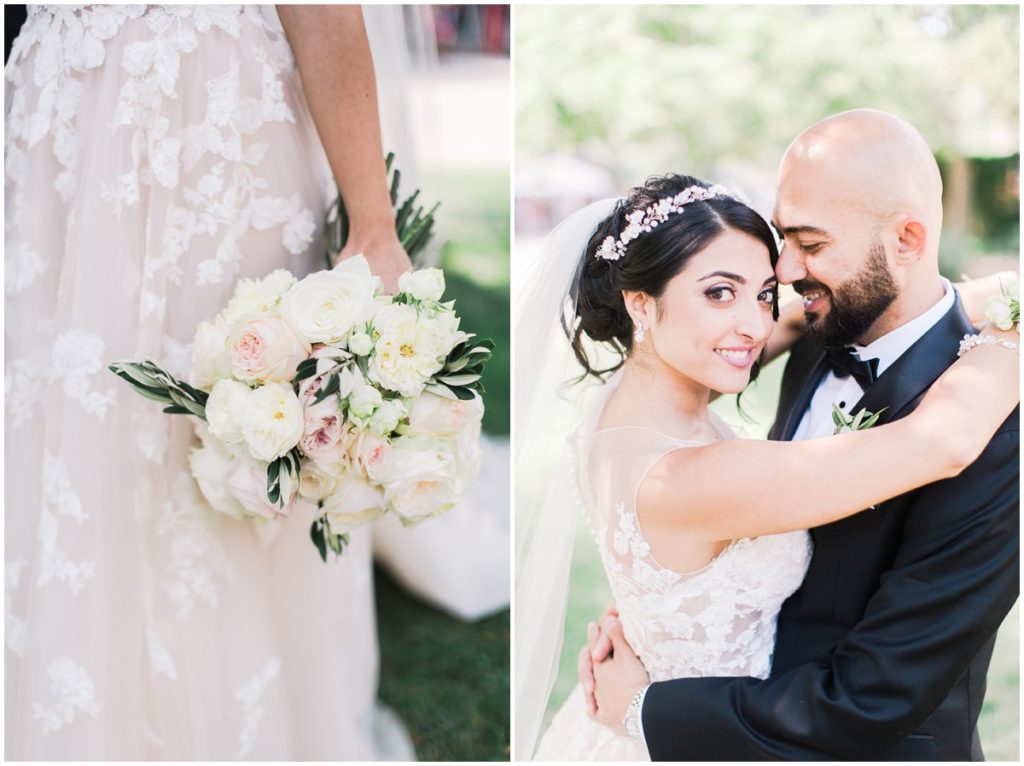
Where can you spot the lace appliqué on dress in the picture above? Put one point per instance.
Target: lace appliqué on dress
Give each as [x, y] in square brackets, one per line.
[250, 695]
[73, 692]
[59, 500]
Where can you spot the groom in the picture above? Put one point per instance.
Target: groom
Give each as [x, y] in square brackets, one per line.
[884, 650]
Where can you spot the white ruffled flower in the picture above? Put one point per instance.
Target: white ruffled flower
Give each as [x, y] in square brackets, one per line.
[273, 423]
[324, 306]
[226, 410]
[257, 296]
[410, 347]
[356, 502]
[423, 284]
[210, 359]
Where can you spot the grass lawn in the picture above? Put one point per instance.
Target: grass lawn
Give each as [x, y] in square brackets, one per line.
[448, 680]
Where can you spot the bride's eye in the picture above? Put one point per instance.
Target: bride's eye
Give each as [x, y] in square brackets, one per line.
[767, 296]
[720, 294]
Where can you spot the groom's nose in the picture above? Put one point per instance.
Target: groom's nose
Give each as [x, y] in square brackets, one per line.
[790, 267]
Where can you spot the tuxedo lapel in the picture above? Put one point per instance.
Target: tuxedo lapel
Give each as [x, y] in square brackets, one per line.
[808, 368]
[918, 367]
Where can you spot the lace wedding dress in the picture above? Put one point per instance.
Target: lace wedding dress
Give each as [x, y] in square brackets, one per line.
[153, 156]
[717, 621]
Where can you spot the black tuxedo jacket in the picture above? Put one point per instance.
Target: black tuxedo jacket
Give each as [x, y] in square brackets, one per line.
[883, 652]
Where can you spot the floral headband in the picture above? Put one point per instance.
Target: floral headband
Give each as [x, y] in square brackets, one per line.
[643, 221]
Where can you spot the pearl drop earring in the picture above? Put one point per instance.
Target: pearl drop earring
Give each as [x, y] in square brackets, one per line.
[639, 333]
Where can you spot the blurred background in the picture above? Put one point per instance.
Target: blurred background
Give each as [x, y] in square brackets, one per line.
[608, 95]
[442, 612]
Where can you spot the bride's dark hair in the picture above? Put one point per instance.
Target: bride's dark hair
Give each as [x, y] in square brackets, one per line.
[651, 260]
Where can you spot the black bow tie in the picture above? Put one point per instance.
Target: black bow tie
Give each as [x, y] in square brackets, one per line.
[845, 363]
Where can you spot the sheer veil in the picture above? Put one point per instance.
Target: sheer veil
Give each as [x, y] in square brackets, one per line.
[547, 411]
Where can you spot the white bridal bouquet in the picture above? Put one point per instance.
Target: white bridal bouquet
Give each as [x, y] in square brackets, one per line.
[324, 391]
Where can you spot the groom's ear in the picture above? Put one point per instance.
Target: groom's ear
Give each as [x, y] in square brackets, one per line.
[911, 240]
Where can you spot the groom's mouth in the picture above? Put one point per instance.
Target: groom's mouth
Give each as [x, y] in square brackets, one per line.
[814, 301]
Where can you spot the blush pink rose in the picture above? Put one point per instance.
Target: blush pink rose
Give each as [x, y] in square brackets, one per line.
[265, 349]
[325, 436]
[369, 453]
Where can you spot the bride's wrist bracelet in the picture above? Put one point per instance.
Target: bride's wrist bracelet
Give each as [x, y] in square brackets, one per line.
[973, 341]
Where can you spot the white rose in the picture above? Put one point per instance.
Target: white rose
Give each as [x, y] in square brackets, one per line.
[432, 415]
[324, 306]
[385, 418]
[210, 359]
[315, 484]
[257, 296]
[273, 423]
[265, 349]
[409, 348]
[423, 284]
[210, 466]
[420, 479]
[369, 454]
[248, 483]
[226, 410]
[997, 310]
[360, 344]
[355, 503]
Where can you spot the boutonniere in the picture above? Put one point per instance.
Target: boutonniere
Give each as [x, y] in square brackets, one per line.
[1003, 310]
[858, 422]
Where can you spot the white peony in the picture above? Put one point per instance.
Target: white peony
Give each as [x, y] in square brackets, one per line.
[410, 347]
[273, 423]
[423, 284]
[226, 410]
[421, 478]
[355, 503]
[257, 296]
[324, 306]
[210, 358]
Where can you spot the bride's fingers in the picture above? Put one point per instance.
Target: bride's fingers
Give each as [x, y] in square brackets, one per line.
[585, 670]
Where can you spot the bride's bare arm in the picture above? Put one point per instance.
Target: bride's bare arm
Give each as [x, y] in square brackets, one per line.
[746, 488]
[333, 56]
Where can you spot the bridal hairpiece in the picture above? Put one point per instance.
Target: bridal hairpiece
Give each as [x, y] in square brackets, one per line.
[642, 221]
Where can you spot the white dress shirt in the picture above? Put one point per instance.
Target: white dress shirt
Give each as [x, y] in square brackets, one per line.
[846, 392]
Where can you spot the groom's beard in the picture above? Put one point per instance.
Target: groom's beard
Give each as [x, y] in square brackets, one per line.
[854, 305]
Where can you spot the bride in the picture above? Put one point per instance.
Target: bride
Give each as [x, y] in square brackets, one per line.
[154, 155]
[702, 535]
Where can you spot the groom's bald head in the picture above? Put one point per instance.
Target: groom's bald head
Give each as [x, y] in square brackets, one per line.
[871, 160]
[859, 203]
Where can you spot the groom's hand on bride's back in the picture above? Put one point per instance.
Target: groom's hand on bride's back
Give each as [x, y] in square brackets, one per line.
[597, 649]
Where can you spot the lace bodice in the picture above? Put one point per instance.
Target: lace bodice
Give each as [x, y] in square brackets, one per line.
[718, 621]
